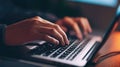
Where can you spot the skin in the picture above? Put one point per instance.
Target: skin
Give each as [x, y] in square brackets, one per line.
[37, 28]
[70, 23]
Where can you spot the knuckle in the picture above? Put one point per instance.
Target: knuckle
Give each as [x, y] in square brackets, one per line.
[52, 30]
[66, 18]
[56, 26]
[37, 17]
[34, 22]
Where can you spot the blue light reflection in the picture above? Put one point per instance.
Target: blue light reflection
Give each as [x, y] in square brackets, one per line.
[109, 3]
[118, 10]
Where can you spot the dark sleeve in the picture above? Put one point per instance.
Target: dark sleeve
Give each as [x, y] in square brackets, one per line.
[11, 13]
[2, 33]
[20, 14]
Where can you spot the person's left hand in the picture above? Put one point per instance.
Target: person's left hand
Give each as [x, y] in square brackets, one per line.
[75, 24]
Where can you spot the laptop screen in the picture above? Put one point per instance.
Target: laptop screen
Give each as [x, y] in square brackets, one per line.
[99, 12]
[118, 10]
[109, 3]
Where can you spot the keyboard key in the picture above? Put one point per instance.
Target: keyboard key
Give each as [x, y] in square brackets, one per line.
[47, 53]
[77, 51]
[61, 49]
[42, 48]
[69, 50]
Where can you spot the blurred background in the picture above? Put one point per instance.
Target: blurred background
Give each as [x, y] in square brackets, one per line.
[99, 12]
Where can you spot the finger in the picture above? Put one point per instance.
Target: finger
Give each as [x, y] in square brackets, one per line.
[64, 28]
[52, 32]
[41, 20]
[74, 26]
[58, 28]
[77, 31]
[83, 23]
[38, 19]
[35, 35]
[61, 24]
[50, 39]
[89, 27]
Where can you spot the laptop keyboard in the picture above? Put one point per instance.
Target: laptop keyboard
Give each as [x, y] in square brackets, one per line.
[68, 52]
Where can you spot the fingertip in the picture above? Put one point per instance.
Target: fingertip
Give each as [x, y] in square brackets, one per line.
[62, 43]
[80, 37]
[67, 43]
[57, 42]
[85, 33]
[66, 39]
[90, 30]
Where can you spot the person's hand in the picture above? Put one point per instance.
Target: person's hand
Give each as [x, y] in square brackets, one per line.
[75, 24]
[35, 29]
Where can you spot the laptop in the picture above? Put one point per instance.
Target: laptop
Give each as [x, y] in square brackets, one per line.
[79, 52]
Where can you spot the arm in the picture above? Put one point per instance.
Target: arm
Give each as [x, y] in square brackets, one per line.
[34, 29]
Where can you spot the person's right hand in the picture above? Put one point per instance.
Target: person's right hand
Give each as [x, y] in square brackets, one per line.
[75, 24]
[35, 29]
